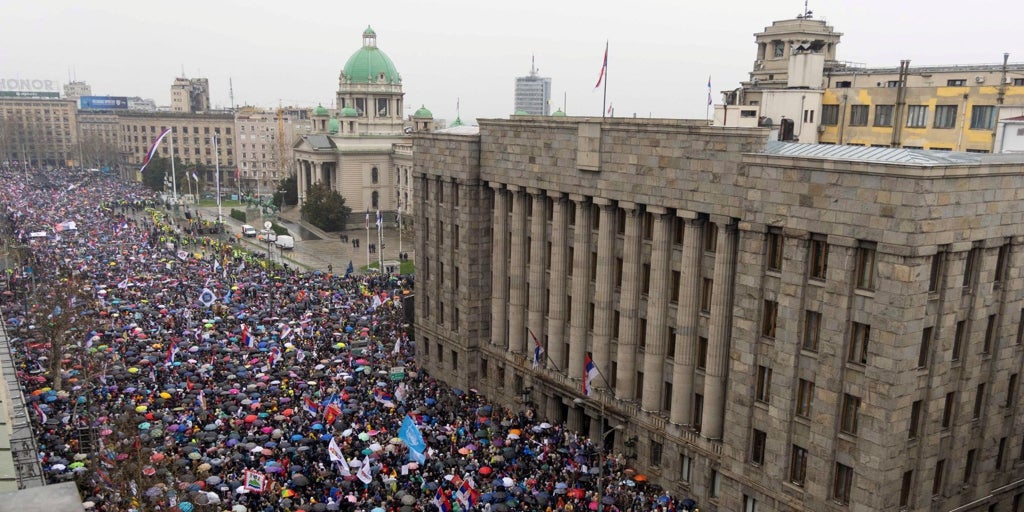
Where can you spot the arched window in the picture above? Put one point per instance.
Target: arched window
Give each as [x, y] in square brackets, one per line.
[374, 175]
[375, 199]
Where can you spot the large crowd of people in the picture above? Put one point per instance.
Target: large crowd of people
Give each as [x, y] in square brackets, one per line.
[194, 375]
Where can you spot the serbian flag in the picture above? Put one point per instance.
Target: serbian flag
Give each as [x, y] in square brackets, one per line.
[604, 66]
[537, 349]
[171, 352]
[441, 501]
[201, 401]
[152, 149]
[310, 406]
[590, 372]
[247, 338]
[709, 90]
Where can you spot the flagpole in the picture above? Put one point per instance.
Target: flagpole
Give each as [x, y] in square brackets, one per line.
[380, 242]
[216, 162]
[174, 179]
[399, 231]
[604, 99]
[367, 240]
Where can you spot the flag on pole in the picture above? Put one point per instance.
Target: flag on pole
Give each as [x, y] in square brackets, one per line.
[195, 177]
[202, 400]
[334, 451]
[367, 218]
[380, 221]
[709, 91]
[310, 406]
[152, 149]
[172, 351]
[537, 349]
[604, 66]
[364, 474]
[590, 372]
[247, 338]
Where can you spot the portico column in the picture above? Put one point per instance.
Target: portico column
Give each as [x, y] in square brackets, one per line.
[559, 273]
[604, 293]
[629, 302]
[538, 270]
[657, 311]
[721, 322]
[517, 271]
[499, 269]
[580, 307]
[687, 318]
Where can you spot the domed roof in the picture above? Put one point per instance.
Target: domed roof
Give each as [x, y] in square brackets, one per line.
[320, 111]
[457, 122]
[333, 126]
[558, 113]
[348, 112]
[423, 112]
[370, 65]
[521, 112]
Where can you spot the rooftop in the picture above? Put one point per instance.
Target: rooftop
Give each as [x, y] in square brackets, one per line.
[921, 157]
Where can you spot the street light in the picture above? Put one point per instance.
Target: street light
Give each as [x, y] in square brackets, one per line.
[600, 450]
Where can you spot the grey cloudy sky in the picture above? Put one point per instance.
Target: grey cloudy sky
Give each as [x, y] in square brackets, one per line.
[661, 51]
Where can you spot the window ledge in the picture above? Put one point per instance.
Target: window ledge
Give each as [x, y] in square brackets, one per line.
[864, 292]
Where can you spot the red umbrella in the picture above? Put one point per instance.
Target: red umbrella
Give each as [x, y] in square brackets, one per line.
[486, 470]
[250, 418]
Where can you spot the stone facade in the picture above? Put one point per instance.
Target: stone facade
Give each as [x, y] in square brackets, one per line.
[767, 327]
[40, 131]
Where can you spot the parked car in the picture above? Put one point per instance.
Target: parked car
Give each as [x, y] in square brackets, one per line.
[266, 235]
[285, 242]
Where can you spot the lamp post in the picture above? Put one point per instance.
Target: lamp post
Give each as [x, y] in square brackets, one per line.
[600, 449]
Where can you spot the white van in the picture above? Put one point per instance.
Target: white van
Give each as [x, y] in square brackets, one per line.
[285, 242]
[248, 230]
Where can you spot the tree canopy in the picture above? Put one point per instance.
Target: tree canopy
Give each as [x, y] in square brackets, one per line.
[325, 208]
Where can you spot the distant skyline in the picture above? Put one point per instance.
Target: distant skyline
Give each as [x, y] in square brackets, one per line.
[661, 52]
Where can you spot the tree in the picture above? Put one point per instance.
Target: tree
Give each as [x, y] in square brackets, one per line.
[56, 315]
[287, 191]
[325, 208]
[153, 176]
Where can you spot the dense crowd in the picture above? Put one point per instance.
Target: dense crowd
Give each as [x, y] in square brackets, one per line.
[197, 376]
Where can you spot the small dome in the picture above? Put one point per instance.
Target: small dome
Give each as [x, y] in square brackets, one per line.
[423, 112]
[521, 112]
[349, 112]
[558, 113]
[457, 122]
[320, 111]
[369, 65]
[333, 126]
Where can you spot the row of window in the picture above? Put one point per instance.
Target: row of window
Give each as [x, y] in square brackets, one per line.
[174, 129]
[983, 117]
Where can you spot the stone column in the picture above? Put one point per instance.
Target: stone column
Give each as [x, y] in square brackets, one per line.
[657, 311]
[559, 274]
[499, 269]
[517, 271]
[687, 322]
[719, 330]
[580, 288]
[629, 303]
[604, 292]
[538, 271]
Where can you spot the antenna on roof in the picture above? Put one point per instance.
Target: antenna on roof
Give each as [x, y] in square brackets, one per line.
[231, 93]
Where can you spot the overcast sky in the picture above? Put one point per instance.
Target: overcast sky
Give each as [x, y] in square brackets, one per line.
[661, 51]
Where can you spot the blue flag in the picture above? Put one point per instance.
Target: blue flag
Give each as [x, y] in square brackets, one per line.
[410, 434]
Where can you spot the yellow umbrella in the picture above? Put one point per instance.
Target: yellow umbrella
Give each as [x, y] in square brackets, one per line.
[165, 395]
[141, 408]
[133, 370]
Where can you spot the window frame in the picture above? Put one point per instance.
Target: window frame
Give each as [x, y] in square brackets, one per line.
[983, 117]
[859, 115]
[829, 115]
[842, 483]
[866, 267]
[775, 244]
[769, 319]
[763, 384]
[884, 115]
[945, 117]
[804, 398]
[848, 414]
[860, 338]
[758, 441]
[797, 465]
[917, 116]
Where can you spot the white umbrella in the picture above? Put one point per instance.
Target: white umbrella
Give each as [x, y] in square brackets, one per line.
[355, 463]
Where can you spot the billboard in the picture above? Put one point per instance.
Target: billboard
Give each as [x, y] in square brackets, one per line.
[103, 102]
[29, 84]
[28, 94]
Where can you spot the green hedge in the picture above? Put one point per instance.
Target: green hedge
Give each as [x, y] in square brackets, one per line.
[238, 214]
[279, 229]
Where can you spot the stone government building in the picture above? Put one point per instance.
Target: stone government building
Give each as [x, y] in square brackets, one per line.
[782, 327]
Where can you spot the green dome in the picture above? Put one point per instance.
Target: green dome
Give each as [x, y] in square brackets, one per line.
[333, 126]
[558, 113]
[369, 64]
[423, 112]
[521, 112]
[320, 111]
[457, 122]
[349, 112]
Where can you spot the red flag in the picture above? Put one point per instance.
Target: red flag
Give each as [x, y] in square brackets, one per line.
[604, 66]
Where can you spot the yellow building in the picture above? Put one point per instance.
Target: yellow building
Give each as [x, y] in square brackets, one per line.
[38, 130]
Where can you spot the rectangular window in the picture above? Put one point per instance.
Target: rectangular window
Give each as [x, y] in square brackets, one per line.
[958, 339]
[710, 237]
[758, 440]
[925, 351]
[859, 338]
[830, 115]
[990, 334]
[812, 330]
[848, 414]
[674, 286]
[705, 295]
[945, 116]
[698, 411]
[842, 483]
[797, 465]
[883, 115]
[702, 353]
[858, 115]
[979, 400]
[947, 409]
[971, 267]
[935, 279]
[763, 387]
[940, 470]
[915, 420]
[775, 242]
[908, 481]
[969, 465]
[769, 318]
[804, 398]
[685, 467]
[1002, 258]
[865, 277]
[716, 483]
[1001, 453]
[1011, 392]
[956, 82]
[917, 116]
[656, 450]
[749, 503]
[819, 257]
[645, 279]
[620, 221]
[983, 117]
